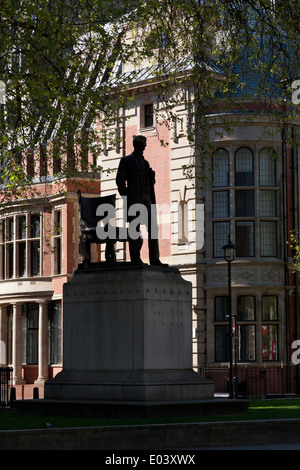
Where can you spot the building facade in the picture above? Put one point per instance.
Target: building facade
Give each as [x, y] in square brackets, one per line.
[39, 252]
[251, 194]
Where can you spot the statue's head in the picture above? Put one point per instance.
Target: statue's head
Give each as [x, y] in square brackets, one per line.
[139, 143]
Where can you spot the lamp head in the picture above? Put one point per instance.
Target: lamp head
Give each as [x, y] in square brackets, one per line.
[229, 250]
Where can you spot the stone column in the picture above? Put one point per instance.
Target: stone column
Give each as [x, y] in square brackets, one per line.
[17, 345]
[3, 335]
[43, 371]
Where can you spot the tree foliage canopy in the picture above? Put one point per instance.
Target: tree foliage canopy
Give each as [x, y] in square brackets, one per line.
[57, 60]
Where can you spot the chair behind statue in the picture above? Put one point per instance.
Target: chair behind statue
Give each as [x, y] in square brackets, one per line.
[88, 223]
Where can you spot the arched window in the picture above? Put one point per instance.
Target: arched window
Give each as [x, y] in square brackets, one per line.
[244, 175]
[220, 168]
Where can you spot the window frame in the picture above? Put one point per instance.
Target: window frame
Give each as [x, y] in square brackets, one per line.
[12, 239]
[55, 332]
[57, 241]
[254, 327]
[30, 337]
[264, 205]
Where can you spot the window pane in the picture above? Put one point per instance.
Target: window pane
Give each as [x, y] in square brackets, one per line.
[35, 226]
[32, 346]
[57, 223]
[2, 231]
[269, 307]
[244, 238]
[30, 316]
[266, 168]
[148, 115]
[55, 332]
[267, 203]
[220, 168]
[244, 167]
[10, 259]
[2, 265]
[221, 343]
[269, 342]
[57, 256]
[246, 343]
[11, 229]
[221, 204]
[245, 307]
[221, 308]
[244, 203]
[268, 239]
[9, 311]
[221, 231]
[35, 258]
[22, 258]
[22, 227]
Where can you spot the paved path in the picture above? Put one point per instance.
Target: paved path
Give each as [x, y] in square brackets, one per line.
[292, 446]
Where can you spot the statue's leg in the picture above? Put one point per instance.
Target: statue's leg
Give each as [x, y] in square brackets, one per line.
[110, 254]
[135, 247]
[85, 250]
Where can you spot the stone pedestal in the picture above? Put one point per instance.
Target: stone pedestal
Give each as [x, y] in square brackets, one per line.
[128, 338]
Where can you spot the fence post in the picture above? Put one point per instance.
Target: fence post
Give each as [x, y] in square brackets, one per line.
[12, 395]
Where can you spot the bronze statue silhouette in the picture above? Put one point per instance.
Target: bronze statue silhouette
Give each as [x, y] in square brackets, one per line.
[135, 181]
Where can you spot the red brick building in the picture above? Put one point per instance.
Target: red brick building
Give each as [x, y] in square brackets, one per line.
[39, 252]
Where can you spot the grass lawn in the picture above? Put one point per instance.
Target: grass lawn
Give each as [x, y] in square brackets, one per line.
[258, 409]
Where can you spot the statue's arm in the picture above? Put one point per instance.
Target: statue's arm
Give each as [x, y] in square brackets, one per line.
[122, 178]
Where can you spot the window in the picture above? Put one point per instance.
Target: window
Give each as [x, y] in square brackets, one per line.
[221, 343]
[268, 238]
[246, 343]
[221, 329]
[246, 347]
[22, 259]
[244, 203]
[55, 332]
[57, 252]
[245, 308]
[269, 328]
[221, 308]
[267, 203]
[221, 168]
[256, 336]
[34, 233]
[9, 312]
[221, 231]
[10, 248]
[250, 215]
[35, 258]
[244, 167]
[34, 226]
[20, 246]
[220, 204]
[267, 168]
[269, 308]
[30, 316]
[245, 240]
[148, 115]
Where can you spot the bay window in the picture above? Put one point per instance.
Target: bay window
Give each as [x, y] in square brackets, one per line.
[255, 331]
[244, 202]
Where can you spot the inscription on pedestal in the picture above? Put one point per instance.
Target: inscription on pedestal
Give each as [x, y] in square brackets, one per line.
[165, 318]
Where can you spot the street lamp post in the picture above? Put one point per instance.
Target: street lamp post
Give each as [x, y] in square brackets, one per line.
[229, 256]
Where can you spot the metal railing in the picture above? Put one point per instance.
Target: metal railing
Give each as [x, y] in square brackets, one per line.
[252, 382]
[5, 386]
